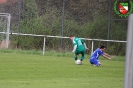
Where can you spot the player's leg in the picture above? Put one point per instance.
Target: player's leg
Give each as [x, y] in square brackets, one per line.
[94, 61]
[97, 63]
[82, 55]
[76, 55]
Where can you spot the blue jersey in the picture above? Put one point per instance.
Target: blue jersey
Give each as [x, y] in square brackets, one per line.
[97, 53]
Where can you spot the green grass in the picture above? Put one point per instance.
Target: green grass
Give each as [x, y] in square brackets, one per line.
[20, 70]
[53, 53]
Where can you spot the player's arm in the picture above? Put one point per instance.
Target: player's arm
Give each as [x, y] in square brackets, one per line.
[74, 48]
[84, 44]
[105, 56]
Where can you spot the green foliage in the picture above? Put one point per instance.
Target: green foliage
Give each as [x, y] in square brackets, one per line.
[31, 23]
[86, 18]
[30, 10]
[73, 28]
[119, 30]
[98, 28]
[117, 49]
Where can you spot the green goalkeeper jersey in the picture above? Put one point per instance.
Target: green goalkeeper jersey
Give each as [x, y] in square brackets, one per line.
[80, 44]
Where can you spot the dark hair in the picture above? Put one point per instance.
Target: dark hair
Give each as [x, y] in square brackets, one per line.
[102, 47]
[71, 36]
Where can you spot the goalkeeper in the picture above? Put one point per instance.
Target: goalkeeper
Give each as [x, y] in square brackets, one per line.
[79, 47]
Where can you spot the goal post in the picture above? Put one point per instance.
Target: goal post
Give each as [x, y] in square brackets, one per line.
[5, 19]
[128, 79]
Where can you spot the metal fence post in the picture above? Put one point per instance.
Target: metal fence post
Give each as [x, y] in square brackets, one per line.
[62, 30]
[44, 45]
[92, 47]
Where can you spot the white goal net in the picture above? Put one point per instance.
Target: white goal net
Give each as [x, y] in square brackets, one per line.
[4, 29]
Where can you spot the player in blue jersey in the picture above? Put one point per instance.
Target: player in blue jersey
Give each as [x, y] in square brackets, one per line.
[98, 52]
[79, 47]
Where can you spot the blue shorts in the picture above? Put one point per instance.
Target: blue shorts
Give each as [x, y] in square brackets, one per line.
[95, 61]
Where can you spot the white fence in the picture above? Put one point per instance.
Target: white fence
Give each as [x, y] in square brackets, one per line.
[92, 40]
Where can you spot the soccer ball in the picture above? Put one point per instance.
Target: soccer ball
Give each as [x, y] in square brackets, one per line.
[78, 62]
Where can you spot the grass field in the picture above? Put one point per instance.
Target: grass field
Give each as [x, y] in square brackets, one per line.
[19, 70]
